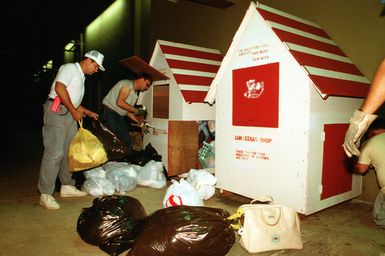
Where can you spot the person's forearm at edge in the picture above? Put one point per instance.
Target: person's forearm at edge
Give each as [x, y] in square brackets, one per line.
[376, 94]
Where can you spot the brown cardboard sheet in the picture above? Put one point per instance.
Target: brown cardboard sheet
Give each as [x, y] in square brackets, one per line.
[138, 66]
[183, 146]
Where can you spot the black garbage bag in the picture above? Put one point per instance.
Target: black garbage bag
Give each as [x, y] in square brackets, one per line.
[185, 230]
[152, 153]
[142, 157]
[116, 148]
[112, 223]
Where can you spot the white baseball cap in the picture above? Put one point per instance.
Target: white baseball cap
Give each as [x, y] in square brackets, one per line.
[97, 57]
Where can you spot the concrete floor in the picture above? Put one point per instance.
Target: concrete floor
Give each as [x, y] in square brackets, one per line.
[28, 229]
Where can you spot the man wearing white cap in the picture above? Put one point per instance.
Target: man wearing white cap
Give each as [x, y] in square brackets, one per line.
[61, 111]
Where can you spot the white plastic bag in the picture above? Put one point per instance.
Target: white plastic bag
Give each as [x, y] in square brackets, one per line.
[182, 193]
[121, 180]
[151, 175]
[203, 182]
[114, 165]
[95, 172]
[130, 170]
[97, 186]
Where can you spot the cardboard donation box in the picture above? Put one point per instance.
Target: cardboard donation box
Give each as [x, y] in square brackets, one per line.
[175, 106]
[284, 95]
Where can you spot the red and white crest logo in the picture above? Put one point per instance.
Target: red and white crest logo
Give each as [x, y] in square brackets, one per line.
[254, 90]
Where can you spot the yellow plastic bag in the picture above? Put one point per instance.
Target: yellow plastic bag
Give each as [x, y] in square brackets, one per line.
[86, 151]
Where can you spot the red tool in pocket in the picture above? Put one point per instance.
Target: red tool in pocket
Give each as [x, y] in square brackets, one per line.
[56, 104]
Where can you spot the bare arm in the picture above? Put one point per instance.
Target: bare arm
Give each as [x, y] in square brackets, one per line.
[88, 112]
[121, 102]
[376, 94]
[133, 118]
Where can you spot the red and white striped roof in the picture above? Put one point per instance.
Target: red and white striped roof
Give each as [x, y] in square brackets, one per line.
[332, 72]
[192, 67]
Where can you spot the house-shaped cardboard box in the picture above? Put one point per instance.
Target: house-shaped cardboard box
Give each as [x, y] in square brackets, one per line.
[176, 105]
[284, 95]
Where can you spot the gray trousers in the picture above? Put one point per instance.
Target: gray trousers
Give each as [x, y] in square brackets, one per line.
[58, 131]
[379, 209]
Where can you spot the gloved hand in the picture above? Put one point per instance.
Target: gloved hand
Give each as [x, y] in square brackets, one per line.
[141, 111]
[146, 127]
[359, 123]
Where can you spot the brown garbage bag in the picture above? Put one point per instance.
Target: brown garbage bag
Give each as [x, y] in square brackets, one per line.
[185, 230]
[85, 151]
[112, 223]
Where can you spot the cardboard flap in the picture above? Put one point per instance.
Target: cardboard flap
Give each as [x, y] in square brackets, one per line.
[183, 146]
[138, 66]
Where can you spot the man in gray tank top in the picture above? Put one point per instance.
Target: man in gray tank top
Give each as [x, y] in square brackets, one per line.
[119, 106]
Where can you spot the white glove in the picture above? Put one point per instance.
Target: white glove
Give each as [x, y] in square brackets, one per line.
[359, 123]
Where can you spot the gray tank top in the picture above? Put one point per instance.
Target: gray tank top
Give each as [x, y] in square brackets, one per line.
[112, 96]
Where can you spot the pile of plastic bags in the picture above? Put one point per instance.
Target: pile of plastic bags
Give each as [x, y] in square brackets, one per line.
[199, 185]
[121, 177]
